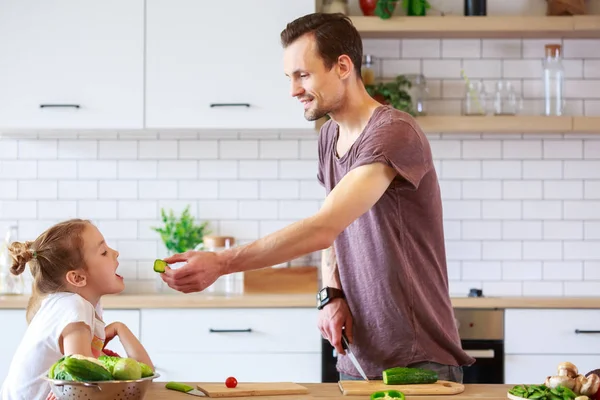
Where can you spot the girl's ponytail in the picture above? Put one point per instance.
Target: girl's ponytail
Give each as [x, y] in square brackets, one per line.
[21, 254]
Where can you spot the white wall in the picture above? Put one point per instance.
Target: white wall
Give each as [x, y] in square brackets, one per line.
[522, 211]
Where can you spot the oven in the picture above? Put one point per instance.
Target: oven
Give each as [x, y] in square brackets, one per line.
[482, 337]
[481, 334]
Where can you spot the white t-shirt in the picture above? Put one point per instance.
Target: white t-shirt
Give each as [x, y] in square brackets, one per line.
[39, 348]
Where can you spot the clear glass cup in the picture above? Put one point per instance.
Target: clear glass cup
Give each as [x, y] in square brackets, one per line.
[506, 100]
[475, 99]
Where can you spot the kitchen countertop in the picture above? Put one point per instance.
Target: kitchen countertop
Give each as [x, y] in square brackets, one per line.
[330, 391]
[154, 300]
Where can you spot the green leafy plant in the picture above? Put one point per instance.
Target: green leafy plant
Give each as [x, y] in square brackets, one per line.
[416, 7]
[181, 234]
[393, 93]
[385, 8]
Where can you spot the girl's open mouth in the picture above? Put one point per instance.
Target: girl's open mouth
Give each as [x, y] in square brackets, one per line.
[118, 276]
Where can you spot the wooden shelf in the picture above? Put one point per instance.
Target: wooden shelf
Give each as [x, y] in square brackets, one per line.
[586, 124]
[496, 124]
[580, 26]
[505, 124]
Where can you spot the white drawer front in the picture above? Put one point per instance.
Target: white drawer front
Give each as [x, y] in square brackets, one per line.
[196, 367]
[231, 330]
[530, 369]
[552, 332]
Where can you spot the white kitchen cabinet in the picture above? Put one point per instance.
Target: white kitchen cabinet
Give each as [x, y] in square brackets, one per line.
[220, 64]
[537, 340]
[15, 325]
[131, 318]
[534, 368]
[254, 345]
[71, 64]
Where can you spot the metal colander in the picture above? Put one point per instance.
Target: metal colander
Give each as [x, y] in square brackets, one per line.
[102, 390]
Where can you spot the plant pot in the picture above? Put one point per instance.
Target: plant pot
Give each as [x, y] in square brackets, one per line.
[385, 8]
[368, 7]
[416, 8]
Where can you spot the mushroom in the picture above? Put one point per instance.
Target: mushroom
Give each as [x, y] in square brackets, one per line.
[579, 381]
[554, 381]
[582, 398]
[590, 386]
[567, 369]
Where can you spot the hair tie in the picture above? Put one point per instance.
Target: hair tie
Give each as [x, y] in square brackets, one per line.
[34, 254]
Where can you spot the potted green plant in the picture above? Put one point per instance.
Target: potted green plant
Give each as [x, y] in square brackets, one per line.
[393, 93]
[180, 234]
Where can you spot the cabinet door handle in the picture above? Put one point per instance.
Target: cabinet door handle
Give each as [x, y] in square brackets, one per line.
[59, 106]
[577, 331]
[211, 330]
[230, 105]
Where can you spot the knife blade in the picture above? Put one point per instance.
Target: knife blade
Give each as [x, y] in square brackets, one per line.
[182, 387]
[346, 346]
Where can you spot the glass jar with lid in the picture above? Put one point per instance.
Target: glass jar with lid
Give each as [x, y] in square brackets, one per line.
[369, 70]
[227, 284]
[554, 76]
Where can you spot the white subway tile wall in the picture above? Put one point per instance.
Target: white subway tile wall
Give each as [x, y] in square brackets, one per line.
[521, 211]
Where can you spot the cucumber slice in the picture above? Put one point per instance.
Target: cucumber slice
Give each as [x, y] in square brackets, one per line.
[159, 266]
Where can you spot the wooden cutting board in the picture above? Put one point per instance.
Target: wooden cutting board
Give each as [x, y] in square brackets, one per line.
[364, 388]
[252, 389]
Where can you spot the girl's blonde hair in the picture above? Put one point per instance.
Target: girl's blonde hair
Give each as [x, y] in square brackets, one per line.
[54, 253]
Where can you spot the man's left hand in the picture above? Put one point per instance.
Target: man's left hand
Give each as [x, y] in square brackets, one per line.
[201, 270]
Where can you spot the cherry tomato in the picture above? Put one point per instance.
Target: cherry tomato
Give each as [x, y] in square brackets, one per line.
[231, 382]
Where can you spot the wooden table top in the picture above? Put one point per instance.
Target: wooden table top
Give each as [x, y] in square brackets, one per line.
[330, 391]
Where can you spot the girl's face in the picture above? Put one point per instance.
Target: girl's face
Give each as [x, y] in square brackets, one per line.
[101, 261]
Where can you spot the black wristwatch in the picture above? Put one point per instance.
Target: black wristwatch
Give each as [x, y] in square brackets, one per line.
[327, 294]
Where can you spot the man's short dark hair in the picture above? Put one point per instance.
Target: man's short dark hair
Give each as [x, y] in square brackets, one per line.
[334, 33]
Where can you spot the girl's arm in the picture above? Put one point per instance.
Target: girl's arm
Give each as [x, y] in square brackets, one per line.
[130, 343]
[76, 338]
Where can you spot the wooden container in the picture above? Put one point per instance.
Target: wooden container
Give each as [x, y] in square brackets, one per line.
[282, 280]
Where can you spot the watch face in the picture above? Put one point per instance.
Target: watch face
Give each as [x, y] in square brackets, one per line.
[323, 294]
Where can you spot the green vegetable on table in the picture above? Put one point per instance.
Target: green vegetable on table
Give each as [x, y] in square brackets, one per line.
[408, 376]
[542, 392]
[106, 368]
[387, 395]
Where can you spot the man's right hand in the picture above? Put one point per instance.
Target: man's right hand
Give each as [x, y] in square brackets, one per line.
[332, 318]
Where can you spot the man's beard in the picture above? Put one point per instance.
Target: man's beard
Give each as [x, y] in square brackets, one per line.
[313, 114]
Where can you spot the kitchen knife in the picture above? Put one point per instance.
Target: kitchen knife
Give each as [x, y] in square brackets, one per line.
[182, 387]
[346, 346]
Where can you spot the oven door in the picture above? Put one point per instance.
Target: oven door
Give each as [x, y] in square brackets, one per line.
[489, 361]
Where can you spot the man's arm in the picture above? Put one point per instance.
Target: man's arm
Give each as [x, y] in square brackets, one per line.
[354, 195]
[329, 269]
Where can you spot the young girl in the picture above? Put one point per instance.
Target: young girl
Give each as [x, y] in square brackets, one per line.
[72, 268]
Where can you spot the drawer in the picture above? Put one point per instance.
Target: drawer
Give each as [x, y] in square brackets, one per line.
[231, 330]
[198, 367]
[552, 331]
[534, 369]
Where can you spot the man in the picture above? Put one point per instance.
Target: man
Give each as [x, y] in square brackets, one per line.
[384, 273]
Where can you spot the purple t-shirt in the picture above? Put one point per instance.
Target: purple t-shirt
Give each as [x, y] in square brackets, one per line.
[392, 260]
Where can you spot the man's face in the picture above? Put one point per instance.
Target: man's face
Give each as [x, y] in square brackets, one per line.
[320, 90]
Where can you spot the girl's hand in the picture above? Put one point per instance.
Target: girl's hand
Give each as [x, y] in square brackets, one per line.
[51, 396]
[112, 330]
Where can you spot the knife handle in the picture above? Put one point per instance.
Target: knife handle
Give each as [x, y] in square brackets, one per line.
[345, 342]
[180, 387]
